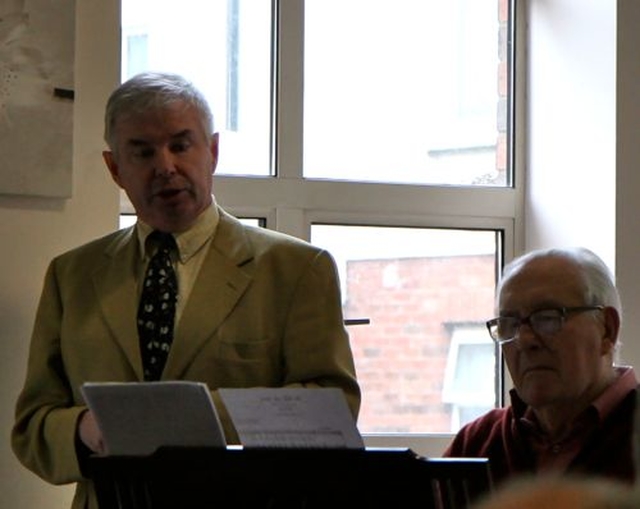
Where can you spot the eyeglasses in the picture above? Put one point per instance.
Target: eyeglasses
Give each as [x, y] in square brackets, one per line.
[544, 322]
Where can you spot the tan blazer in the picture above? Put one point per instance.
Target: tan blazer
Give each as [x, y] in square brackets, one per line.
[265, 311]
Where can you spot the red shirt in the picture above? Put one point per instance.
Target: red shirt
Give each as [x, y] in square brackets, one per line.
[557, 456]
[603, 442]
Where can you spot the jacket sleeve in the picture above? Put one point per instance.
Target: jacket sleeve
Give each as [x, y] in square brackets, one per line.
[44, 433]
[316, 343]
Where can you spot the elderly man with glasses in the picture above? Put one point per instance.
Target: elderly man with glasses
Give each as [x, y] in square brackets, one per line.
[572, 407]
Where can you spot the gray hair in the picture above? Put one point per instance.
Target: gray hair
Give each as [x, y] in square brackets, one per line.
[599, 282]
[149, 91]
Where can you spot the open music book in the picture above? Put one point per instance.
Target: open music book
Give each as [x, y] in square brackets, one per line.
[138, 417]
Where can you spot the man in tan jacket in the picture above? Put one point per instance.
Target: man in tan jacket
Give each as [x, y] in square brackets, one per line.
[254, 307]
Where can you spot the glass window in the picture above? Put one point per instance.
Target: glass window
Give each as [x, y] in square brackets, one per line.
[386, 131]
[224, 47]
[127, 220]
[469, 377]
[425, 361]
[420, 83]
[413, 97]
[135, 53]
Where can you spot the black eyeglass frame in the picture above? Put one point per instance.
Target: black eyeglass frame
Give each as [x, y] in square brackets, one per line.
[493, 324]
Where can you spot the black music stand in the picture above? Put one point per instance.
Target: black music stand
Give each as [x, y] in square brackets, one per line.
[199, 478]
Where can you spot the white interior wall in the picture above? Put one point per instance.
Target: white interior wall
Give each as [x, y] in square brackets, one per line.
[570, 195]
[35, 229]
[583, 119]
[627, 225]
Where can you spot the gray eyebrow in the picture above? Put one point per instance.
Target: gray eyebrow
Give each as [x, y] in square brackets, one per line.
[138, 142]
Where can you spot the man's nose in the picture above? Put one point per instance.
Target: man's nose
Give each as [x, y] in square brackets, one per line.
[525, 337]
[164, 162]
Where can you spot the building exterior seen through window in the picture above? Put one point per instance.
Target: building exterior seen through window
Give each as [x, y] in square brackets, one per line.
[425, 360]
[410, 95]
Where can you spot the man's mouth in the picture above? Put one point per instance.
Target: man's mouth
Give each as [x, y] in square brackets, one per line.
[536, 369]
[168, 193]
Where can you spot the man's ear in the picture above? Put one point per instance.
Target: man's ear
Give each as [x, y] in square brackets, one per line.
[214, 152]
[611, 326]
[112, 165]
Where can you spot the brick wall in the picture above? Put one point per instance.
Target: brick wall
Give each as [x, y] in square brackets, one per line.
[401, 356]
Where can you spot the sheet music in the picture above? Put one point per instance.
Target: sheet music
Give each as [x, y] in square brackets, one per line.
[138, 417]
[292, 417]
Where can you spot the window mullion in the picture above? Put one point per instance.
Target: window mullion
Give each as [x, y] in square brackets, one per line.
[288, 86]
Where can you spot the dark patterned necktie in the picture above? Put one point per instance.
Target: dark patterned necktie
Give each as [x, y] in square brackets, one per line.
[156, 311]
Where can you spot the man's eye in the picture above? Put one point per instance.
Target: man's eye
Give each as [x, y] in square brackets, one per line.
[547, 315]
[143, 152]
[180, 146]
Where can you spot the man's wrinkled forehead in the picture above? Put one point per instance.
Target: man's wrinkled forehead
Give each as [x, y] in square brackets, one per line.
[548, 280]
[169, 121]
[151, 109]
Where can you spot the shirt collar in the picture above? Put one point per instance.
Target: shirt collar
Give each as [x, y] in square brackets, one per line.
[190, 241]
[610, 398]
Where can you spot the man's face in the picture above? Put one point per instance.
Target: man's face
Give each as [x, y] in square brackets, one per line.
[165, 163]
[569, 368]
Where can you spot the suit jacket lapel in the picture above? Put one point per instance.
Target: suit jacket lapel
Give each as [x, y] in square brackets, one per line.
[116, 293]
[223, 278]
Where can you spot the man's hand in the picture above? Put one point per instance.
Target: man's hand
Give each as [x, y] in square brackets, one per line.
[89, 432]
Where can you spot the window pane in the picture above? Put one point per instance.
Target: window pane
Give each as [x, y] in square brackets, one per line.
[405, 91]
[425, 362]
[224, 47]
[127, 220]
